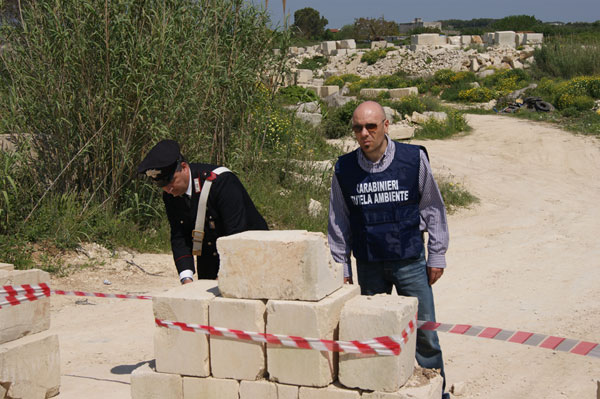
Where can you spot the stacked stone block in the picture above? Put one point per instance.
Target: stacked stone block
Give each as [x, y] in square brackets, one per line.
[277, 282]
[29, 355]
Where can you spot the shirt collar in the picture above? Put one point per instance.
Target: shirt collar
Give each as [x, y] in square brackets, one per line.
[189, 188]
[389, 152]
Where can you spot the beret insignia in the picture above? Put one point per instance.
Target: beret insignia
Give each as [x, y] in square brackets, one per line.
[153, 173]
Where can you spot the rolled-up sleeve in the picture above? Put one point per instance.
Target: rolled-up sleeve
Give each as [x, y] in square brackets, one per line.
[433, 215]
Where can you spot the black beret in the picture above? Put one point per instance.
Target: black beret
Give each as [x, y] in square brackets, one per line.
[161, 161]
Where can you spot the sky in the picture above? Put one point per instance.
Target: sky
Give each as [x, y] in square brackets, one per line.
[341, 12]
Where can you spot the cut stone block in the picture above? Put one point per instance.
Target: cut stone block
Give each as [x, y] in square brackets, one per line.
[372, 93]
[428, 39]
[330, 392]
[505, 38]
[277, 264]
[210, 388]
[288, 391]
[488, 38]
[317, 82]
[328, 90]
[258, 389]
[313, 119]
[183, 352]
[348, 44]
[303, 76]
[454, 40]
[148, 384]
[519, 37]
[6, 267]
[327, 48]
[29, 317]
[310, 320]
[403, 92]
[30, 366]
[414, 389]
[365, 317]
[465, 40]
[533, 38]
[237, 359]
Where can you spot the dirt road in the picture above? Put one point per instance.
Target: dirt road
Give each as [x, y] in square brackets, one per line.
[526, 257]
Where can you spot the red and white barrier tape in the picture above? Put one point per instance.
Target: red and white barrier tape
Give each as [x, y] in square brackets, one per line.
[383, 346]
[577, 347]
[15, 295]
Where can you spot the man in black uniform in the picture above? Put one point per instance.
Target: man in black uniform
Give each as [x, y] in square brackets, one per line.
[229, 209]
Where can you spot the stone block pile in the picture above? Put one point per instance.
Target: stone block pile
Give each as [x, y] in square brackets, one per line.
[278, 282]
[29, 354]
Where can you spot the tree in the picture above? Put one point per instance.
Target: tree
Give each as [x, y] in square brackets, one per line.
[374, 28]
[309, 23]
[516, 23]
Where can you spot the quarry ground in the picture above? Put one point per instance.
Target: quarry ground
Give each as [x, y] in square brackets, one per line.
[525, 258]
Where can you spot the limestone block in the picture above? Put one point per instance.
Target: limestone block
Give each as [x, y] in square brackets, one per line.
[328, 90]
[372, 93]
[305, 319]
[504, 38]
[533, 38]
[303, 76]
[403, 92]
[488, 38]
[313, 88]
[330, 392]
[317, 82]
[378, 44]
[476, 39]
[183, 352]
[262, 389]
[289, 391]
[148, 384]
[29, 317]
[454, 40]
[229, 358]
[430, 389]
[30, 366]
[210, 388]
[365, 317]
[417, 47]
[465, 40]
[419, 118]
[391, 114]
[341, 51]
[428, 39]
[348, 44]
[277, 264]
[310, 107]
[329, 73]
[313, 119]
[327, 48]
[519, 37]
[6, 267]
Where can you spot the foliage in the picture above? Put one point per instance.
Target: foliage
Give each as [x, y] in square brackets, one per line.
[517, 23]
[578, 102]
[296, 94]
[434, 129]
[423, 29]
[477, 94]
[505, 81]
[454, 194]
[374, 28]
[397, 80]
[478, 25]
[336, 123]
[314, 63]
[568, 57]
[309, 23]
[341, 80]
[408, 105]
[371, 57]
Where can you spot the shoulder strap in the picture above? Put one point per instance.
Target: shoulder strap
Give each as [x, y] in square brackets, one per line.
[198, 232]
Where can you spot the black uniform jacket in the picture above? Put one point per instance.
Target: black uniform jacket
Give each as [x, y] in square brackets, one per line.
[229, 210]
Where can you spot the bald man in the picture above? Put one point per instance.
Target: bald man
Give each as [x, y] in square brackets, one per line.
[383, 197]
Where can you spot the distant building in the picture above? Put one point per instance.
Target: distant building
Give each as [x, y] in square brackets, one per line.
[418, 23]
[333, 30]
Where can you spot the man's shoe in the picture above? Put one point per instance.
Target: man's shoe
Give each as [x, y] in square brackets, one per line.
[446, 395]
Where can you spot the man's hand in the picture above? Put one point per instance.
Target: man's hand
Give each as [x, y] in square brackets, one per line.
[348, 280]
[434, 274]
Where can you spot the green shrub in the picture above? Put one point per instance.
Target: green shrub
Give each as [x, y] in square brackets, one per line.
[433, 129]
[568, 57]
[371, 57]
[314, 63]
[336, 123]
[296, 94]
[454, 194]
[408, 105]
[477, 94]
[580, 103]
[443, 76]
[334, 81]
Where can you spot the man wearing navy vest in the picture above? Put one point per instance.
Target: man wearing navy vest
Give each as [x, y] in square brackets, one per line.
[227, 207]
[383, 198]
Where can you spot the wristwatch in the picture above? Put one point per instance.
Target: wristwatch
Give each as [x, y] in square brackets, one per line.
[186, 278]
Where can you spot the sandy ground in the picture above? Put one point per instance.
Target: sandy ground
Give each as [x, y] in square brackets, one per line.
[526, 257]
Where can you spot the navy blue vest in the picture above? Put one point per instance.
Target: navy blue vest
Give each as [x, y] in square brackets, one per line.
[384, 206]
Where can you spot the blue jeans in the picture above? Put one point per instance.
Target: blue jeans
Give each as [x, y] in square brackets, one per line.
[410, 279]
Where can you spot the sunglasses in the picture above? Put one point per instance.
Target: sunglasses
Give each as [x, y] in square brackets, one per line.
[371, 127]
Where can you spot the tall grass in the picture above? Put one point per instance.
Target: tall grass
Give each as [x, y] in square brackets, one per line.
[567, 57]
